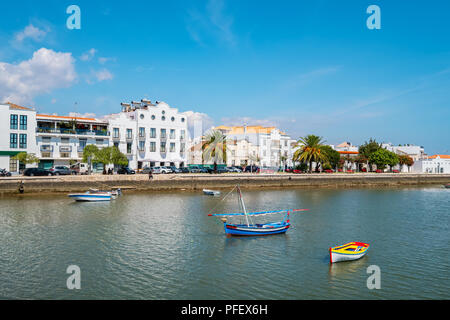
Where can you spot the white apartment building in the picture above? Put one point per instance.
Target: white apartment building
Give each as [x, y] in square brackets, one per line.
[438, 163]
[17, 134]
[415, 152]
[150, 134]
[60, 140]
[263, 146]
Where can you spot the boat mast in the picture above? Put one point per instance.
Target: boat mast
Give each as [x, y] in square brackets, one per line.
[243, 205]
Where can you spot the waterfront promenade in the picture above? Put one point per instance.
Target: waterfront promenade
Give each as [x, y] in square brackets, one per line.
[141, 182]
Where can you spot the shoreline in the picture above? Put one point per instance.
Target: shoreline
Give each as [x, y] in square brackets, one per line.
[193, 182]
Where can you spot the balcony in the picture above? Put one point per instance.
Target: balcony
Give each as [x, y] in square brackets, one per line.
[116, 137]
[142, 137]
[46, 148]
[65, 149]
[83, 132]
[129, 137]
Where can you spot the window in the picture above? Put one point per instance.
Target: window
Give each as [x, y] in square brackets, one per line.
[23, 122]
[163, 133]
[182, 147]
[12, 165]
[141, 145]
[116, 144]
[13, 121]
[172, 147]
[182, 134]
[141, 132]
[153, 117]
[152, 146]
[172, 133]
[115, 133]
[23, 141]
[83, 143]
[13, 140]
[65, 140]
[163, 147]
[128, 148]
[173, 119]
[152, 132]
[182, 119]
[163, 118]
[129, 133]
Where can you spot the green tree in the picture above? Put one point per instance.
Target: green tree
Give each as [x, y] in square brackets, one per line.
[26, 158]
[309, 150]
[332, 157]
[118, 158]
[368, 148]
[215, 148]
[382, 158]
[90, 151]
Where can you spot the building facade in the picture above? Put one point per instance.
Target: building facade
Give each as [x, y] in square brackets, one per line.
[438, 163]
[17, 134]
[262, 146]
[60, 140]
[150, 134]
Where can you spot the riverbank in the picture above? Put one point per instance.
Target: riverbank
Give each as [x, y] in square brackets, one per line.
[65, 184]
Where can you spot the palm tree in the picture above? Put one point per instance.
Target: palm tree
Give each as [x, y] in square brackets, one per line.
[309, 150]
[215, 147]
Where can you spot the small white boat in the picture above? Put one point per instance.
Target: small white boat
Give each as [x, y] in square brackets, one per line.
[211, 192]
[96, 195]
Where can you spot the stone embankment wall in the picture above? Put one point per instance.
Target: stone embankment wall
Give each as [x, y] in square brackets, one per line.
[65, 184]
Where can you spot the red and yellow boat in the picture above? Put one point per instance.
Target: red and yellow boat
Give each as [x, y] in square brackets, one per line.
[349, 251]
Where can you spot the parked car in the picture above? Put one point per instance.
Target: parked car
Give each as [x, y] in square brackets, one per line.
[158, 170]
[146, 170]
[62, 170]
[395, 171]
[185, 170]
[125, 170]
[251, 169]
[5, 173]
[196, 169]
[233, 169]
[328, 171]
[175, 169]
[80, 168]
[379, 171]
[267, 170]
[297, 171]
[30, 172]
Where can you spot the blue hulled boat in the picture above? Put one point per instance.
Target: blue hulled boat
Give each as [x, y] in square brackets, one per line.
[249, 228]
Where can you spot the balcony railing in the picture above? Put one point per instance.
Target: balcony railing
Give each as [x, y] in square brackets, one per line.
[72, 131]
[65, 148]
[46, 148]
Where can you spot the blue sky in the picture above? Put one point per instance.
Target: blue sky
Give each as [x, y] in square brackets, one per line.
[305, 66]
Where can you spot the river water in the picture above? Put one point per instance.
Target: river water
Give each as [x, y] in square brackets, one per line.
[164, 246]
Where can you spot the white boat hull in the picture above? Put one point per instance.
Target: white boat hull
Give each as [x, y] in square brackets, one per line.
[90, 197]
[338, 257]
[211, 192]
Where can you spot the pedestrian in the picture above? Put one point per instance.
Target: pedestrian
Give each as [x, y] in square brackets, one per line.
[150, 175]
[21, 188]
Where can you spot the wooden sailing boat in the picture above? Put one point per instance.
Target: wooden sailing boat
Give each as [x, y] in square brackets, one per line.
[254, 229]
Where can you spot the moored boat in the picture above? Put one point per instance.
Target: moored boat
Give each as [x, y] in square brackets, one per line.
[96, 195]
[349, 251]
[211, 192]
[447, 185]
[249, 228]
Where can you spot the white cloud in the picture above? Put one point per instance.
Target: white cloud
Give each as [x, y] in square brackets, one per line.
[103, 60]
[31, 32]
[88, 55]
[82, 115]
[45, 71]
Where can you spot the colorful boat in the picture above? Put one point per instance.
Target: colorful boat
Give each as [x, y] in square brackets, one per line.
[249, 228]
[211, 192]
[447, 185]
[349, 251]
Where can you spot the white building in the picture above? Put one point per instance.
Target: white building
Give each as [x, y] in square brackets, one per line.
[150, 134]
[438, 163]
[415, 152]
[60, 140]
[263, 146]
[17, 134]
